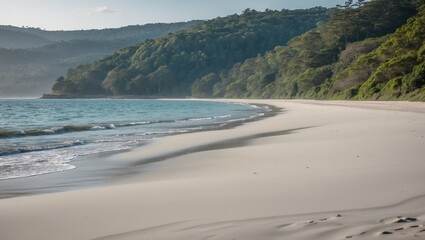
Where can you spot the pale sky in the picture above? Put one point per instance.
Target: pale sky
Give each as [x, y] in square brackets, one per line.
[97, 14]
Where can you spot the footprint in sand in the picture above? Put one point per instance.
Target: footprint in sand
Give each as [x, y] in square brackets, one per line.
[351, 236]
[401, 226]
[325, 219]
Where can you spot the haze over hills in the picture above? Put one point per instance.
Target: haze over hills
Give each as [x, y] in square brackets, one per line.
[13, 37]
[366, 50]
[10, 38]
[31, 58]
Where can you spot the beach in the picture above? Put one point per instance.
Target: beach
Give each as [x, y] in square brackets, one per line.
[315, 170]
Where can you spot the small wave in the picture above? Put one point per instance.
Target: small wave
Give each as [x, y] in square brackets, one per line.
[200, 119]
[58, 130]
[223, 116]
[98, 128]
[164, 132]
[203, 118]
[8, 133]
[53, 160]
[28, 171]
[105, 127]
[41, 132]
[72, 128]
[31, 164]
[40, 148]
[130, 124]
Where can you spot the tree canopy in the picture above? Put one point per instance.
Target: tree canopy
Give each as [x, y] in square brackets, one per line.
[169, 66]
[367, 50]
[361, 50]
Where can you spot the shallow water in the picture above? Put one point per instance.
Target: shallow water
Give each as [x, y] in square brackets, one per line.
[44, 136]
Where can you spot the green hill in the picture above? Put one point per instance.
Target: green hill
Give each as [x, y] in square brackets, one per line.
[369, 52]
[363, 50]
[169, 65]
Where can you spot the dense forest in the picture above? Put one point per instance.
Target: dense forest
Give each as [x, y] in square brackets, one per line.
[169, 66]
[370, 50]
[362, 50]
[31, 59]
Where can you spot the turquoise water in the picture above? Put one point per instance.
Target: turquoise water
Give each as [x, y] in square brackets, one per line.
[44, 136]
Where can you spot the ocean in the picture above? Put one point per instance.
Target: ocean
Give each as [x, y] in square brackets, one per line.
[40, 136]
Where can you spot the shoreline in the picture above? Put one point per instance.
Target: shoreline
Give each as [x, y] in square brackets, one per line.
[287, 176]
[96, 170]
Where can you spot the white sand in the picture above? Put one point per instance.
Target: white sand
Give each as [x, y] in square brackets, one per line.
[364, 161]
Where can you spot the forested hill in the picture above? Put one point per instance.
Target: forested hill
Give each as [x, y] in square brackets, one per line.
[365, 50]
[371, 50]
[170, 65]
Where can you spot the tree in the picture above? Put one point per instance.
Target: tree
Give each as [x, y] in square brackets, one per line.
[116, 81]
[162, 81]
[204, 86]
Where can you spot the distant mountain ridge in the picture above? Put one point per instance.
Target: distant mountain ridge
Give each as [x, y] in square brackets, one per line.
[18, 39]
[21, 37]
[31, 59]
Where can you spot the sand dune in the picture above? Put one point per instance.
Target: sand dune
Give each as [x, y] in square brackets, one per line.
[317, 170]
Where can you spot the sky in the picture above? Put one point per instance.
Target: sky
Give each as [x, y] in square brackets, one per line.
[98, 14]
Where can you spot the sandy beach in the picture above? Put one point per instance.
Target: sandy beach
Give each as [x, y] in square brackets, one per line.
[316, 170]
